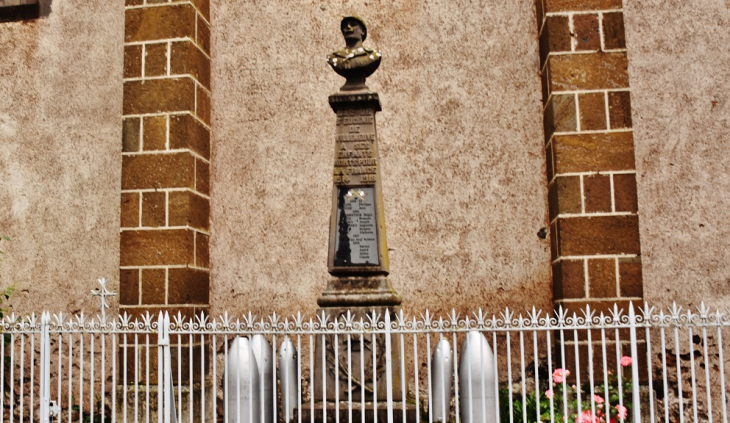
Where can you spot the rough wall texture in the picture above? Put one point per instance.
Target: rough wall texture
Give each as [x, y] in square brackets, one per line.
[678, 65]
[461, 148]
[60, 131]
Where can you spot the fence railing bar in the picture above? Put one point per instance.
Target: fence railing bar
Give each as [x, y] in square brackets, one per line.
[522, 376]
[362, 375]
[537, 376]
[693, 376]
[402, 370]
[136, 378]
[114, 377]
[22, 376]
[508, 345]
[707, 374]
[721, 359]
[619, 371]
[665, 379]
[91, 379]
[652, 412]
[428, 381]
[388, 366]
[604, 357]
[415, 373]
[679, 373]
[590, 373]
[147, 374]
[635, 388]
[31, 392]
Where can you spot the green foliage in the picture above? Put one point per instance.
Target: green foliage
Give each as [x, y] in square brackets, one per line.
[86, 415]
[604, 408]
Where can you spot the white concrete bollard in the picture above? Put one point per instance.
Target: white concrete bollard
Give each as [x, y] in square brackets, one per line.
[288, 376]
[242, 376]
[262, 351]
[443, 367]
[476, 380]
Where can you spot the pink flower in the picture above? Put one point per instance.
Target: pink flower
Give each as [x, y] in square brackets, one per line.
[598, 399]
[586, 417]
[625, 361]
[622, 411]
[559, 375]
[549, 393]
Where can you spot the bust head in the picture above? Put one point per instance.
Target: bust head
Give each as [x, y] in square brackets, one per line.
[354, 30]
[355, 62]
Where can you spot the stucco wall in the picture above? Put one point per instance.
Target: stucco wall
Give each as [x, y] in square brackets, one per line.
[461, 149]
[60, 135]
[680, 80]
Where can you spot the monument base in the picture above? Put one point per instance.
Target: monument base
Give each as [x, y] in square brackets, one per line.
[358, 291]
[372, 413]
[364, 372]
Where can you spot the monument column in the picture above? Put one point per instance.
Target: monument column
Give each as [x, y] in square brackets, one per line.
[358, 250]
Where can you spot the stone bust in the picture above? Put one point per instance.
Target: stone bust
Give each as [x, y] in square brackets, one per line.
[354, 62]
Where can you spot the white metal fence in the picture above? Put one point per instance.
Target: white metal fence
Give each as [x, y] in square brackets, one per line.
[649, 365]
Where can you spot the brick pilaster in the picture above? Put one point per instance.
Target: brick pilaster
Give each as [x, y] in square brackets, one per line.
[590, 154]
[165, 203]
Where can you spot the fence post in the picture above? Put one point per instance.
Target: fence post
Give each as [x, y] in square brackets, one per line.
[636, 394]
[160, 362]
[388, 367]
[45, 370]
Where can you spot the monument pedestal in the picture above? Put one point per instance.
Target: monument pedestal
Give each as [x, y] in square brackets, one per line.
[371, 410]
[364, 371]
[359, 291]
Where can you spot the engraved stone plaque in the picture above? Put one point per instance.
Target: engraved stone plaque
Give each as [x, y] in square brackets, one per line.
[356, 239]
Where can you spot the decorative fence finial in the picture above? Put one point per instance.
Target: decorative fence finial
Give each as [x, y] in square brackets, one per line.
[103, 293]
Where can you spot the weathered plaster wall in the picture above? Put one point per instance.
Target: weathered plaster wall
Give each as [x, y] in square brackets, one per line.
[680, 80]
[461, 148]
[60, 134]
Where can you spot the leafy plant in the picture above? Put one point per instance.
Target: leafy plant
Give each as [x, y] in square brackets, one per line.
[611, 402]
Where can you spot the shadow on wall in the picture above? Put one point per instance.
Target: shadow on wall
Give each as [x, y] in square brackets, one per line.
[24, 10]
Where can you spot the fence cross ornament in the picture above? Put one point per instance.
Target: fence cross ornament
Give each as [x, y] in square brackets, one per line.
[103, 293]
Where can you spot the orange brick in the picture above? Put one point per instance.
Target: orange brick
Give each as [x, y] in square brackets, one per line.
[187, 58]
[130, 210]
[560, 115]
[148, 171]
[156, 247]
[158, 23]
[564, 196]
[597, 193]
[585, 236]
[624, 191]
[153, 286]
[555, 36]
[187, 132]
[613, 30]
[569, 279]
[155, 59]
[549, 161]
[204, 8]
[586, 32]
[159, 96]
[189, 209]
[133, 2]
[188, 286]
[128, 286]
[202, 250]
[596, 71]
[132, 61]
[619, 109]
[630, 277]
[580, 5]
[153, 209]
[203, 39]
[593, 152]
[592, 111]
[202, 177]
[602, 278]
[130, 135]
[154, 133]
[202, 106]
